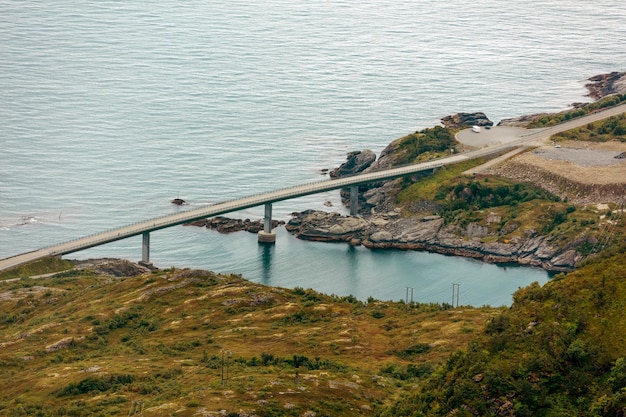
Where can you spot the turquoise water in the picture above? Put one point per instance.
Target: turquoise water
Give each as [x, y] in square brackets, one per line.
[110, 110]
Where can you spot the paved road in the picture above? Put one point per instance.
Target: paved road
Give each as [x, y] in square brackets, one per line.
[499, 135]
[520, 138]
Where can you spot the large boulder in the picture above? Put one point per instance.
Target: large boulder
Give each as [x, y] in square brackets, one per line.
[326, 227]
[463, 120]
[356, 163]
[112, 267]
[360, 162]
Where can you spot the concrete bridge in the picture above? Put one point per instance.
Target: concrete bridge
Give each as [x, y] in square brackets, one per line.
[501, 140]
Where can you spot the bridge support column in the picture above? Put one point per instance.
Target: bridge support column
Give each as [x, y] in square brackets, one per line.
[266, 235]
[354, 200]
[145, 248]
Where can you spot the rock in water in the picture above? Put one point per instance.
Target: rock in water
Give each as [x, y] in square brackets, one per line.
[357, 162]
[178, 201]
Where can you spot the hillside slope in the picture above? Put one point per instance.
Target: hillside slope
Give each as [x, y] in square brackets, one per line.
[559, 350]
[106, 336]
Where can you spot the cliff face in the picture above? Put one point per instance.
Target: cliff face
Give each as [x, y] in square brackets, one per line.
[429, 233]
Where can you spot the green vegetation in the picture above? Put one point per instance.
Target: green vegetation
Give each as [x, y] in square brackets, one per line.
[512, 210]
[425, 144]
[470, 194]
[428, 187]
[556, 118]
[613, 128]
[560, 350]
[43, 266]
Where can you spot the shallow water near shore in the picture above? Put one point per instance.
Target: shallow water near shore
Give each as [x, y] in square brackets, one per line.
[111, 110]
[334, 268]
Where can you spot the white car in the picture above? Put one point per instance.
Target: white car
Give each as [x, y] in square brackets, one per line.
[476, 129]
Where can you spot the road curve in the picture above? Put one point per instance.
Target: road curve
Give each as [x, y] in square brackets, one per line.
[522, 137]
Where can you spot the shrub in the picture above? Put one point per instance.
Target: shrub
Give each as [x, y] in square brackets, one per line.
[377, 314]
[95, 384]
[414, 350]
[267, 358]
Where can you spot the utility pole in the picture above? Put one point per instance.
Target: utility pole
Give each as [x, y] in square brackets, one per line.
[456, 288]
[406, 298]
[136, 408]
[225, 363]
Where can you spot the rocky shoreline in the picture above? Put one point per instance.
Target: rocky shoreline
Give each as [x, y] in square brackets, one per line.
[606, 84]
[430, 233]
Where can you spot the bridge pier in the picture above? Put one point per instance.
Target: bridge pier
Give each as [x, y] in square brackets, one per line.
[354, 200]
[145, 248]
[266, 235]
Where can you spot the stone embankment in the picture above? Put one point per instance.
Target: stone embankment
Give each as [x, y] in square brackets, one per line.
[430, 233]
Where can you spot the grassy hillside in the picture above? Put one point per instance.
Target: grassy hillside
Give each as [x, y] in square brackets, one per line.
[613, 128]
[559, 351]
[183, 343]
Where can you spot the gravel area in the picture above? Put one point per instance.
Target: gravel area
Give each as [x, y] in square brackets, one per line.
[583, 162]
[588, 156]
[584, 172]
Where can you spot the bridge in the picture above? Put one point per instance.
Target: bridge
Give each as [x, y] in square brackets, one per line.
[510, 139]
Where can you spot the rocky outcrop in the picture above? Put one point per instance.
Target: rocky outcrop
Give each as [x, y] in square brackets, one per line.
[113, 267]
[227, 225]
[356, 163]
[61, 344]
[522, 121]
[178, 201]
[606, 84]
[380, 197]
[359, 162]
[326, 227]
[377, 196]
[429, 233]
[463, 120]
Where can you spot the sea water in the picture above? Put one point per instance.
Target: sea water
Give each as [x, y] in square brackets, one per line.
[108, 110]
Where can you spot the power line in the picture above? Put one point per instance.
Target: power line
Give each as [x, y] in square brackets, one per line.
[456, 289]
